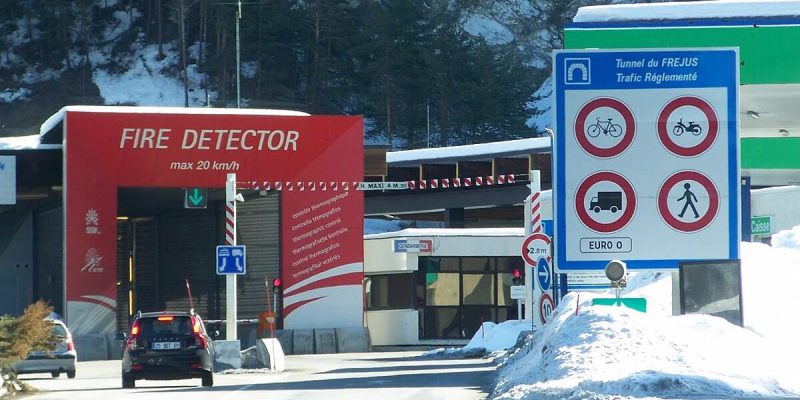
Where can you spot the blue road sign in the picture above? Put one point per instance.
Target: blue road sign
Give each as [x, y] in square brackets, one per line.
[231, 260]
[646, 158]
[543, 274]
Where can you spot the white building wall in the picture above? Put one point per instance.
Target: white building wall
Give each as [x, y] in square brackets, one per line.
[379, 256]
[393, 327]
[782, 203]
[401, 327]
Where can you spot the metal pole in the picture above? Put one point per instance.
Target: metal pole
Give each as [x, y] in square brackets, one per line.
[230, 237]
[238, 56]
[428, 120]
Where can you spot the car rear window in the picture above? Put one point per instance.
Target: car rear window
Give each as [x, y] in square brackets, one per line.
[59, 330]
[166, 325]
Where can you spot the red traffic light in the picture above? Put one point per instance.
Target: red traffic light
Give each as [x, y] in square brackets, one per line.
[276, 283]
[516, 273]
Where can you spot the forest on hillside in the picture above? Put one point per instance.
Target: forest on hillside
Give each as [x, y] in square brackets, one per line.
[419, 71]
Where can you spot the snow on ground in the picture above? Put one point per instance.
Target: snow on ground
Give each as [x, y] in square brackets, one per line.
[597, 352]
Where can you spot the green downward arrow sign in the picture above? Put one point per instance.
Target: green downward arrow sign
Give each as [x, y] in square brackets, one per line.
[196, 198]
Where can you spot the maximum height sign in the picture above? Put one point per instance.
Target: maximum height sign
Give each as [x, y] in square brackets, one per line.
[646, 157]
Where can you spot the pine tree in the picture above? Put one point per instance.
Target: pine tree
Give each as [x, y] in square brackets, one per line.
[18, 336]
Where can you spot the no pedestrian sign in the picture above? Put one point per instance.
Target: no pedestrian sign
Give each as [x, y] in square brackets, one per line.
[646, 157]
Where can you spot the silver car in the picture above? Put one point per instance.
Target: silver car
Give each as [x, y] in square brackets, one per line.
[62, 359]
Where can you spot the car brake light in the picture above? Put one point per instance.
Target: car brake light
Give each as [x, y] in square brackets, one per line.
[137, 367]
[198, 332]
[130, 344]
[135, 329]
[166, 318]
[70, 345]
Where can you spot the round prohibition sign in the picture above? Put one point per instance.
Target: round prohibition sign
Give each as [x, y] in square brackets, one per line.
[703, 220]
[534, 247]
[582, 136]
[627, 211]
[546, 307]
[664, 130]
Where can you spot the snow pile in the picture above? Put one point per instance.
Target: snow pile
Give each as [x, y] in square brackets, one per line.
[494, 337]
[612, 351]
[597, 352]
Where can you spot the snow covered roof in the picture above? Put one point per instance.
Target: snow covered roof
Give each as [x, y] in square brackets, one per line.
[29, 142]
[507, 148]
[776, 189]
[444, 232]
[51, 122]
[743, 9]
[49, 134]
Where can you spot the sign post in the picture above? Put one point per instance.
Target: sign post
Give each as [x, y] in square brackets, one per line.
[230, 238]
[519, 293]
[648, 163]
[536, 253]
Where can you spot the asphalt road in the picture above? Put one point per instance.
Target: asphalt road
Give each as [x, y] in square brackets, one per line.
[376, 375]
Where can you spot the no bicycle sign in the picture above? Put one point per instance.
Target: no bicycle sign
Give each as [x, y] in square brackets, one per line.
[646, 157]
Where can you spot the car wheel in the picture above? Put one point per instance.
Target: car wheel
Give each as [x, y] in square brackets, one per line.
[208, 379]
[55, 374]
[71, 374]
[128, 382]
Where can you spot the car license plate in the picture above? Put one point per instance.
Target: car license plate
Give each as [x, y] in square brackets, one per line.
[166, 345]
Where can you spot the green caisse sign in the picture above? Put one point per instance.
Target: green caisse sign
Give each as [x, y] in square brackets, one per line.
[761, 225]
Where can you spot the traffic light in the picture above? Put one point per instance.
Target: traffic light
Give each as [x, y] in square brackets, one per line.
[519, 277]
[276, 285]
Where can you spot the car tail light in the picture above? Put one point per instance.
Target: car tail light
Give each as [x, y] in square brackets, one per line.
[198, 332]
[137, 367]
[131, 343]
[197, 365]
[70, 345]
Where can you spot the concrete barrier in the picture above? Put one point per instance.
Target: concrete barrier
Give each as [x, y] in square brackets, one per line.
[270, 353]
[227, 355]
[303, 342]
[114, 347]
[286, 337]
[324, 341]
[352, 340]
[250, 359]
[91, 347]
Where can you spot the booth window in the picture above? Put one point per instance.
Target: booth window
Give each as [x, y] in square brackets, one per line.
[457, 294]
[390, 291]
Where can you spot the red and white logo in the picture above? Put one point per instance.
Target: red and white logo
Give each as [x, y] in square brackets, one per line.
[92, 222]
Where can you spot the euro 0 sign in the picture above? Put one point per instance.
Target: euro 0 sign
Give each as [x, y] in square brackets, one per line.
[534, 247]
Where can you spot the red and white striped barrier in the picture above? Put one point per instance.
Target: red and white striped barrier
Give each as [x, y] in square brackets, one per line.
[422, 184]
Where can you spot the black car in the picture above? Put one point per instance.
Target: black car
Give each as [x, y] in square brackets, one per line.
[167, 345]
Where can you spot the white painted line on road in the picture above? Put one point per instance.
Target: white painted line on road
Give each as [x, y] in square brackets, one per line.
[232, 394]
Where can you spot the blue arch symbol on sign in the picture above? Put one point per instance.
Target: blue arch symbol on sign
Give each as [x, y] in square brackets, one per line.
[543, 274]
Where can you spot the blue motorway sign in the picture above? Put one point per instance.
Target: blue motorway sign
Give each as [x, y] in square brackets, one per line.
[231, 260]
[646, 157]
